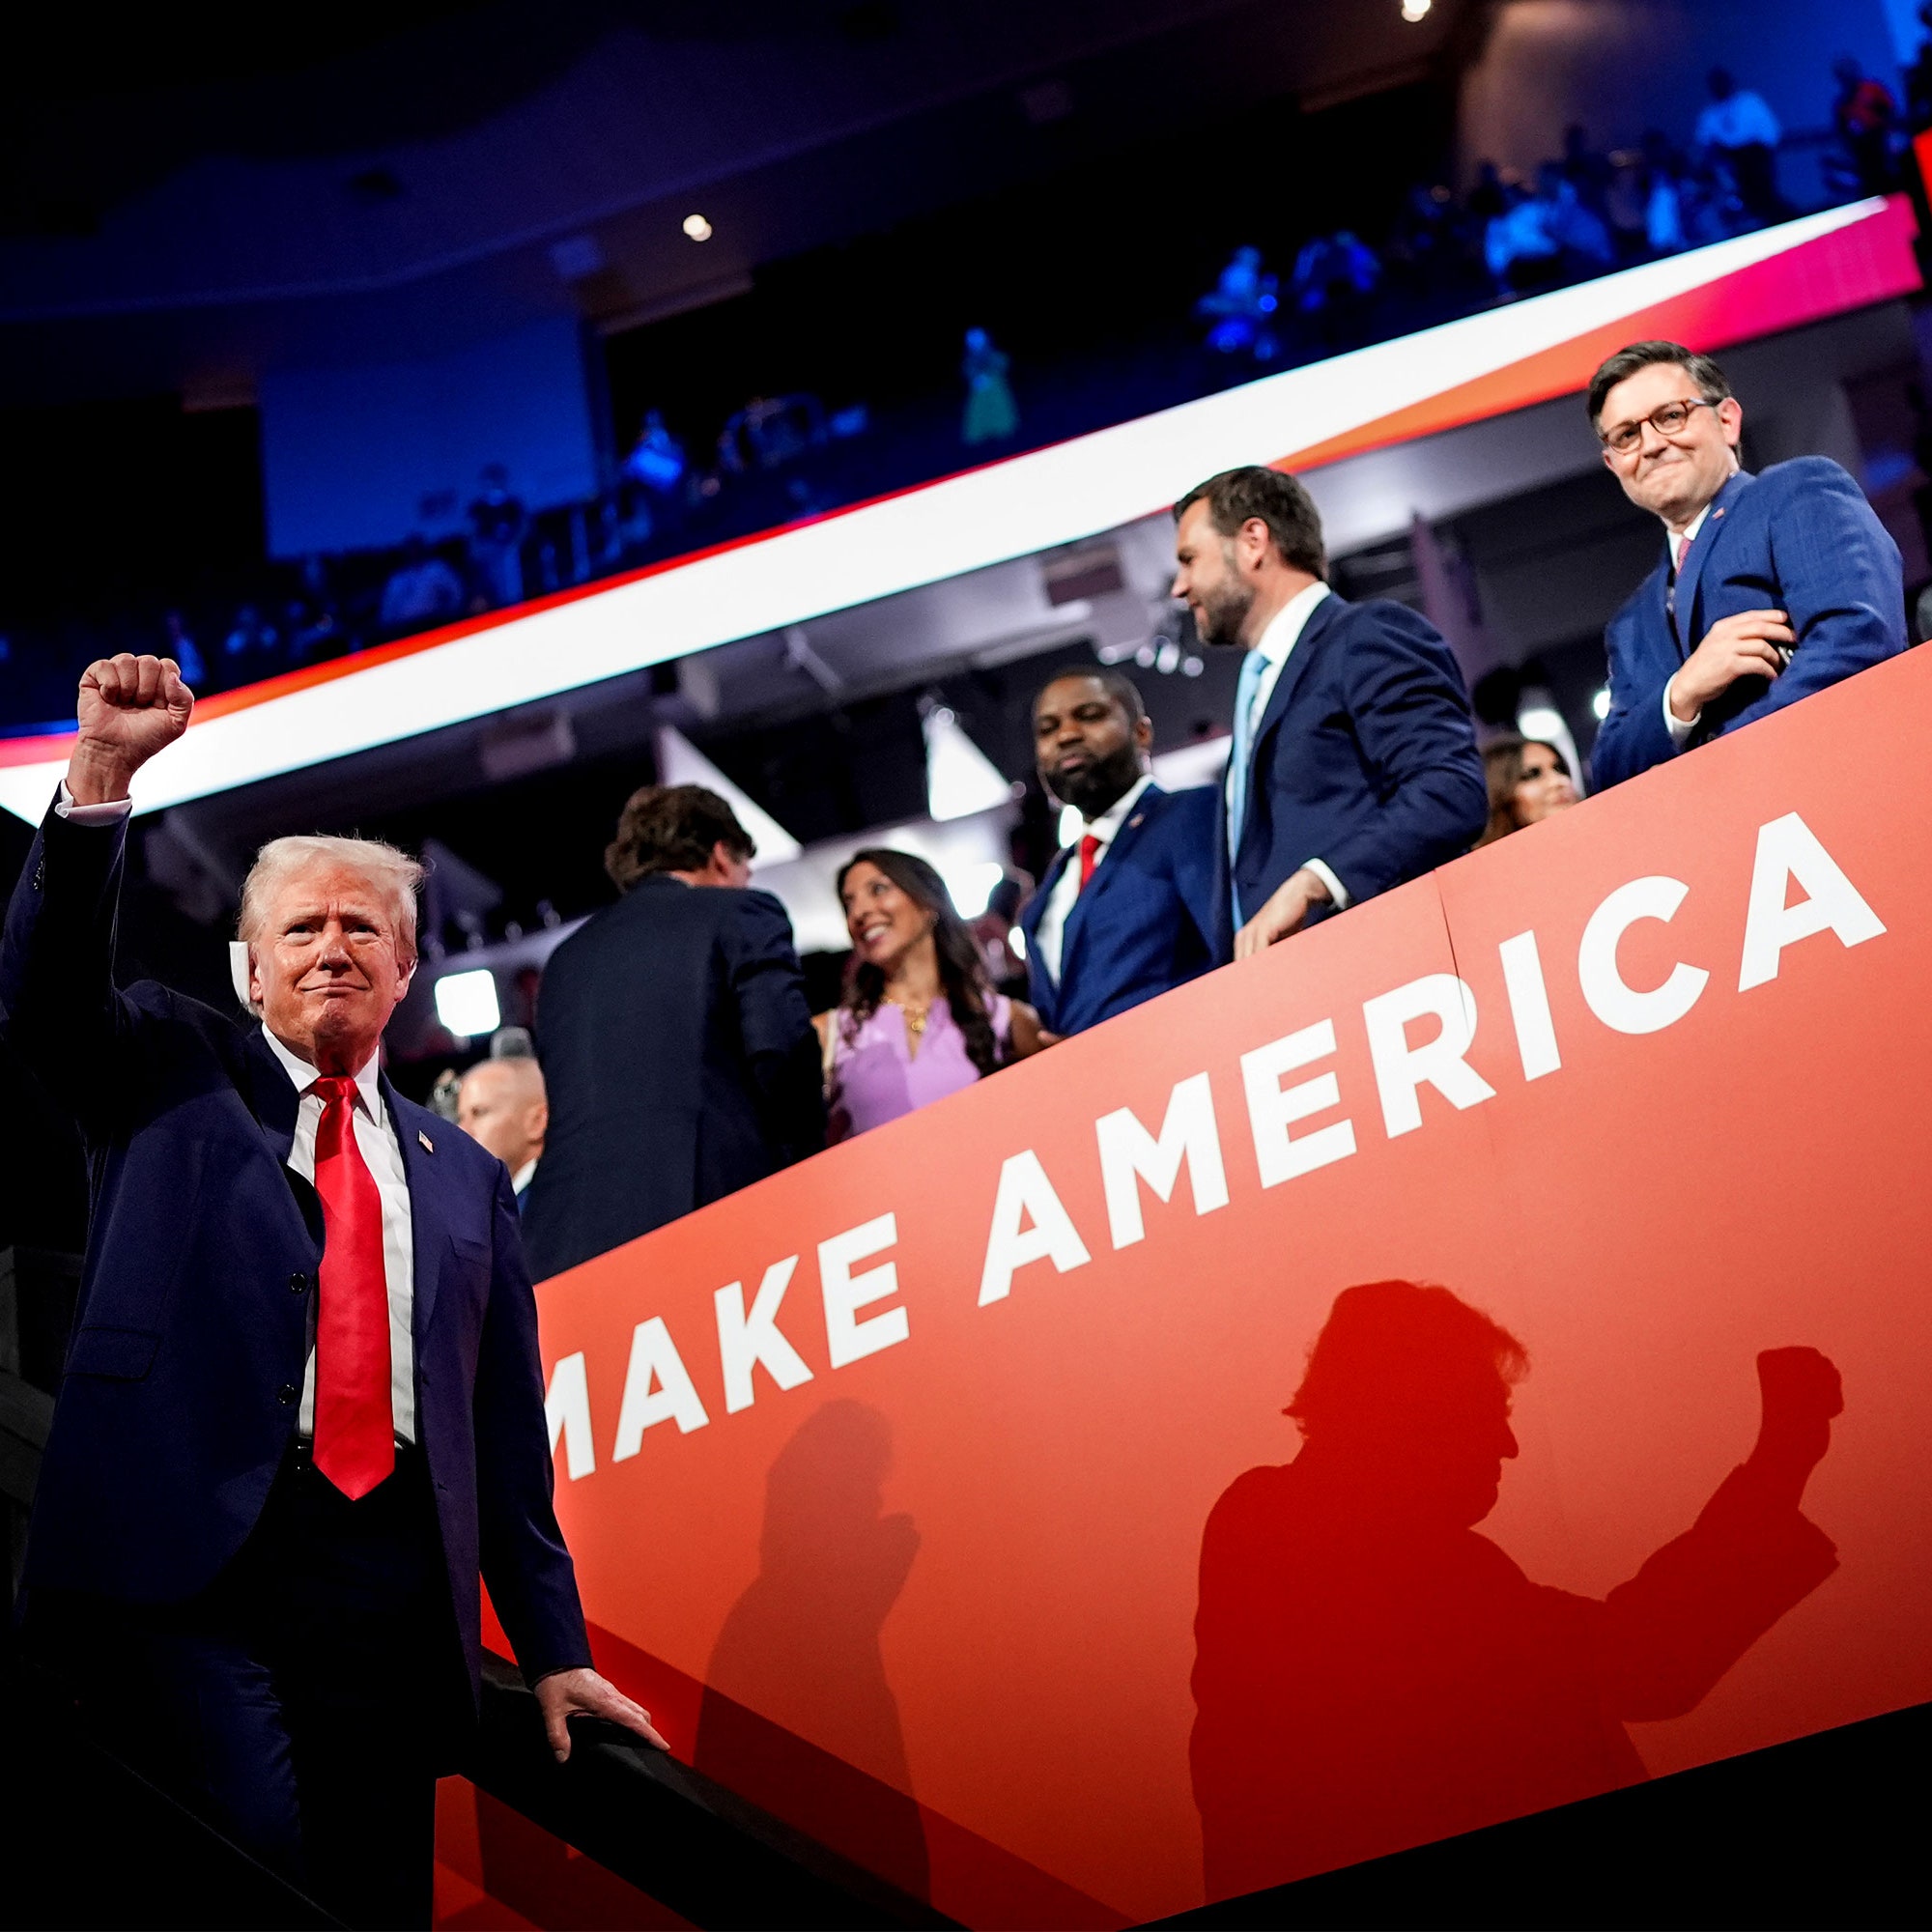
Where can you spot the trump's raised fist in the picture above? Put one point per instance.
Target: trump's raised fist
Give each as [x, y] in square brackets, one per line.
[130, 709]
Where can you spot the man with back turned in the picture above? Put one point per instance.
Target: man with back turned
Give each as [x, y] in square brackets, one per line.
[1354, 765]
[1770, 588]
[676, 1043]
[301, 1405]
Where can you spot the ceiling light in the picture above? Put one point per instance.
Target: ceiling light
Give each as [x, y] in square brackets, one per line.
[961, 779]
[1072, 825]
[465, 1003]
[1414, 11]
[699, 229]
[1540, 723]
[1600, 706]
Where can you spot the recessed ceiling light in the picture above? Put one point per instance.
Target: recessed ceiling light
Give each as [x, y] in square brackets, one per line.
[699, 229]
[1414, 11]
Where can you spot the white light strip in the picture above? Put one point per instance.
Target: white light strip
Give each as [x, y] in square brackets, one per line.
[1010, 509]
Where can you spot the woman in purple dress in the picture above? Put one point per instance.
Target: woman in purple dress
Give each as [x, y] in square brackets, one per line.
[919, 1020]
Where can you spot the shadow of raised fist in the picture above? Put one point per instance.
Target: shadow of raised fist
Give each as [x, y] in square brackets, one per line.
[1802, 1391]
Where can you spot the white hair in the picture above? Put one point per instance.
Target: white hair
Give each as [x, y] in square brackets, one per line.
[393, 873]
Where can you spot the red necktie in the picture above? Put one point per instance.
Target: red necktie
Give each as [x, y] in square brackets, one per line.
[1683, 551]
[1090, 857]
[355, 1421]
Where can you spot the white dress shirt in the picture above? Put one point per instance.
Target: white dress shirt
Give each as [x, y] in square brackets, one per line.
[376, 1138]
[1681, 728]
[114, 810]
[1283, 634]
[1052, 927]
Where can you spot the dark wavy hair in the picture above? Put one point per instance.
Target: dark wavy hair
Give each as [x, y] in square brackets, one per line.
[673, 828]
[960, 972]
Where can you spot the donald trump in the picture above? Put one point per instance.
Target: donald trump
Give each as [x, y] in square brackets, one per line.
[302, 1407]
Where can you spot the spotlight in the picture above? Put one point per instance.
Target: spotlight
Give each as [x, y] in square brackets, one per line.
[1167, 659]
[1414, 11]
[465, 1003]
[1192, 666]
[699, 229]
[971, 887]
[1600, 704]
[1541, 722]
[961, 779]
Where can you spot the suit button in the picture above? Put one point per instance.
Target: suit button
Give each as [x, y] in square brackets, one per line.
[288, 1393]
[298, 1283]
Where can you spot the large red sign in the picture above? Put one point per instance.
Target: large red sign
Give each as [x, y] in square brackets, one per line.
[889, 1479]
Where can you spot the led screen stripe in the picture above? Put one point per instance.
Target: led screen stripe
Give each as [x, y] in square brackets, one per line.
[1481, 365]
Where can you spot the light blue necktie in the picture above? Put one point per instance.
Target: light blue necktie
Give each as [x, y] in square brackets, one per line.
[1254, 668]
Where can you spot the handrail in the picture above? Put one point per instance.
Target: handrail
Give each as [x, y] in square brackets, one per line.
[670, 1831]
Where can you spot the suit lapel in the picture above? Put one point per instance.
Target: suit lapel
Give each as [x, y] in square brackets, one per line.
[429, 1230]
[1692, 574]
[1035, 907]
[1123, 841]
[1282, 696]
[271, 1097]
[271, 1094]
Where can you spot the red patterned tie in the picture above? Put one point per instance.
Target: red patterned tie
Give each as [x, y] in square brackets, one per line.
[354, 1423]
[1090, 857]
[1683, 551]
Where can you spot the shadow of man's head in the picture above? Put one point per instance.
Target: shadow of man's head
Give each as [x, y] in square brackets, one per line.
[1407, 1402]
[824, 1495]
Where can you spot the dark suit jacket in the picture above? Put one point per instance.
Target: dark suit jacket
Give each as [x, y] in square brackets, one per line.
[191, 1337]
[680, 1061]
[1365, 758]
[1800, 538]
[1145, 921]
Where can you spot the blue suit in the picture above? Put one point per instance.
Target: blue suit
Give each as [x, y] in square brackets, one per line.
[178, 1408]
[1364, 757]
[1801, 538]
[1146, 920]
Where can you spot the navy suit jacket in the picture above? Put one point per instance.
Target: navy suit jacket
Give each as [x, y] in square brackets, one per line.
[680, 1061]
[191, 1335]
[1365, 758]
[1801, 538]
[1145, 921]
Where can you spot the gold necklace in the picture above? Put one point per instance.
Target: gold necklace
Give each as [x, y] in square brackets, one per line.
[916, 1017]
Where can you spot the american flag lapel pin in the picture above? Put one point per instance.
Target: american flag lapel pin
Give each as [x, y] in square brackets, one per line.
[429, 1146]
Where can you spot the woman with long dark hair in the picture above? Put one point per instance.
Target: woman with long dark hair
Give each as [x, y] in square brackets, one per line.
[1528, 780]
[919, 1020]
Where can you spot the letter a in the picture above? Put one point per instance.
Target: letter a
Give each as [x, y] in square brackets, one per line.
[1025, 1192]
[1787, 848]
[1129, 1155]
[654, 1359]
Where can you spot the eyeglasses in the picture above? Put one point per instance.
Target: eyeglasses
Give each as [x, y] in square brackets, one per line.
[1666, 419]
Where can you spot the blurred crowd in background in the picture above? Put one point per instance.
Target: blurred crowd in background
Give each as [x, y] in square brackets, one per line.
[778, 459]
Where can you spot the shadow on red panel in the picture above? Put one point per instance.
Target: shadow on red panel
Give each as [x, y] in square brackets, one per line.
[803, 1641]
[1371, 1673]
